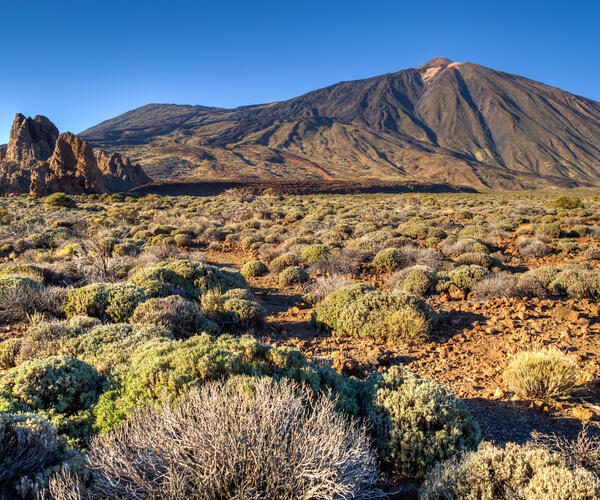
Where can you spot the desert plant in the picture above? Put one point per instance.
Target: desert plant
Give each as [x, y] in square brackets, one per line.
[254, 268]
[60, 200]
[293, 275]
[324, 285]
[519, 472]
[541, 373]
[284, 261]
[174, 313]
[248, 438]
[30, 448]
[388, 260]
[419, 423]
[364, 312]
[466, 277]
[314, 253]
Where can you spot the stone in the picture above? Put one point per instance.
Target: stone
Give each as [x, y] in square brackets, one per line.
[455, 292]
[563, 313]
[2, 151]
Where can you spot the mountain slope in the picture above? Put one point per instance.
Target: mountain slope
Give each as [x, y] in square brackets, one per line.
[443, 122]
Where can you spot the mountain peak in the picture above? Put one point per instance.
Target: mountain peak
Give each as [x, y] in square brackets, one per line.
[436, 61]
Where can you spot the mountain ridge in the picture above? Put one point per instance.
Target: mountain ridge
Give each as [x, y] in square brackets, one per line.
[442, 121]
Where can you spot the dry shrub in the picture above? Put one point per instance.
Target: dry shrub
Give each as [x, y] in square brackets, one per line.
[583, 451]
[324, 285]
[513, 472]
[250, 438]
[542, 373]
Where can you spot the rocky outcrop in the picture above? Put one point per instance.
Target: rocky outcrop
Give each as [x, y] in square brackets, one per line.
[72, 169]
[118, 172]
[39, 161]
[31, 140]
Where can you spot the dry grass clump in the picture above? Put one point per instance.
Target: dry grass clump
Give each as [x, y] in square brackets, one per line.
[541, 373]
[248, 438]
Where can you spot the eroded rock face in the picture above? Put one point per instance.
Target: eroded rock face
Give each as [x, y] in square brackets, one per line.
[118, 172]
[31, 139]
[72, 169]
[39, 161]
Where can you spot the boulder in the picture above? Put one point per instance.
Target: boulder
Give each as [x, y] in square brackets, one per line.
[2, 151]
[119, 173]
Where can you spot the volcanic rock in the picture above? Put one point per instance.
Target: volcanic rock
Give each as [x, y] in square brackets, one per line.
[118, 172]
[72, 169]
[31, 140]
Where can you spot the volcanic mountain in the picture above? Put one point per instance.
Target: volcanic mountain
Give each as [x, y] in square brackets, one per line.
[444, 121]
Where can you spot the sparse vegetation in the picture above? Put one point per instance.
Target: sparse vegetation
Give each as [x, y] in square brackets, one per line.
[114, 306]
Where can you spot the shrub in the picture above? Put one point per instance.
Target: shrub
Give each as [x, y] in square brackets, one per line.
[498, 285]
[388, 260]
[543, 373]
[419, 423]
[532, 246]
[60, 200]
[104, 300]
[186, 277]
[477, 258]
[234, 308]
[324, 285]
[30, 448]
[361, 311]
[292, 275]
[577, 283]
[62, 384]
[417, 280]
[254, 268]
[568, 202]
[314, 253]
[123, 298]
[248, 438]
[89, 300]
[174, 313]
[164, 370]
[9, 351]
[522, 473]
[466, 277]
[284, 261]
[546, 274]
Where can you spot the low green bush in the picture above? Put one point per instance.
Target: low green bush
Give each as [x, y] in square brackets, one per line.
[292, 275]
[254, 268]
[315, 253]
[361, 311]
[388, 260]
[181, 316]
[284, 261]
[466, 276]
[419, 423]
[60, 200]
[234, 308]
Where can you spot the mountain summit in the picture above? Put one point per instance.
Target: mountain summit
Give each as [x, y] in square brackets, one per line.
[444, 121]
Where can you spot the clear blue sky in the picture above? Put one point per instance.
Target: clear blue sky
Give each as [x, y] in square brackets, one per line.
[83, 62]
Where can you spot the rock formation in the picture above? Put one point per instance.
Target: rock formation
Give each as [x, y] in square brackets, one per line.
[31, 140]
[118, 172]
[71, 169]
[39, 161]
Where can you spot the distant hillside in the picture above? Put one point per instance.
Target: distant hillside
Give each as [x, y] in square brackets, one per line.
[458, 123]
